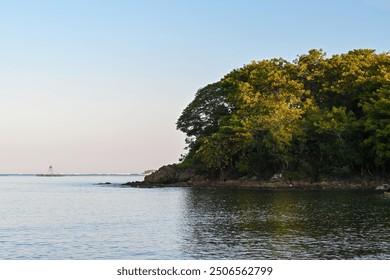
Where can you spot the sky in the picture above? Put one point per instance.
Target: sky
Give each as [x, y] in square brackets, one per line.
[97, 86]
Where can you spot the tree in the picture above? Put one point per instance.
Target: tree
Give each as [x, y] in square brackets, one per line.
[202, 116]
[330, 134]
[377, 124]
[315, 117]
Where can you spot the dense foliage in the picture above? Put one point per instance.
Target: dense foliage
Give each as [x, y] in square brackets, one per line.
[313, 118]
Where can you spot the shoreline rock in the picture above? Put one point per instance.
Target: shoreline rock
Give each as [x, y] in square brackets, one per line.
[383, 187]
[171, 176]
[266, 185]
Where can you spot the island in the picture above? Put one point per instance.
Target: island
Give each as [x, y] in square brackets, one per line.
[314, 122]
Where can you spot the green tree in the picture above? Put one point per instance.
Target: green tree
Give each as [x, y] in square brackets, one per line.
[330, 134]
[203, 115]
[315, 117]
[377, 124]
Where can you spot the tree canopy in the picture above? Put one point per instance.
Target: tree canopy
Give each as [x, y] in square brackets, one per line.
[313, 118]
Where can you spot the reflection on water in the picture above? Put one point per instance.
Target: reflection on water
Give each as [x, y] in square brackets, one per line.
[72, 218]
[255, 224]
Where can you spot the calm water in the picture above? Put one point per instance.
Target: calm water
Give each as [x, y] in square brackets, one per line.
[71, 218]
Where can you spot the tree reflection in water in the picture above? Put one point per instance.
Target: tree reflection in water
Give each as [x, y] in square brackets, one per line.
[251, 224]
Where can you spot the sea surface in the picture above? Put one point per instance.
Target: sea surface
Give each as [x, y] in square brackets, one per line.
[72, 217]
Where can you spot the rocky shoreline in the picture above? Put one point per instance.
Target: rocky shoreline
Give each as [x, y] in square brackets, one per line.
[170, 176]
[270, 185]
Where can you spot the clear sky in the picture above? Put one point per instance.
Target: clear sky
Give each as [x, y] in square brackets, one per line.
[97, 86]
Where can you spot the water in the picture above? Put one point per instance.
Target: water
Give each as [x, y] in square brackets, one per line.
[72, 218]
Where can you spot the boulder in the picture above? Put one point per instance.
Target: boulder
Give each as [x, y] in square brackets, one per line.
[277, 177]
[186, 175]
[164, 175]
[384, 187]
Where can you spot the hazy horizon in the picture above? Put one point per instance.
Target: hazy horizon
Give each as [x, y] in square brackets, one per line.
[97, 87]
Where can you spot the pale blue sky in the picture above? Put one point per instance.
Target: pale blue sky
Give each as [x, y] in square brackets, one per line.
[97, 86]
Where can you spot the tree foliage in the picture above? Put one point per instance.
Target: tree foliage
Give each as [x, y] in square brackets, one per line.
[377, 124]
[314, 117]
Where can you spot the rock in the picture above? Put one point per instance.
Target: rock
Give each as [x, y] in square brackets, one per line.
[277, 177]
[164, 175]
[186, 175]
[384, 187]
